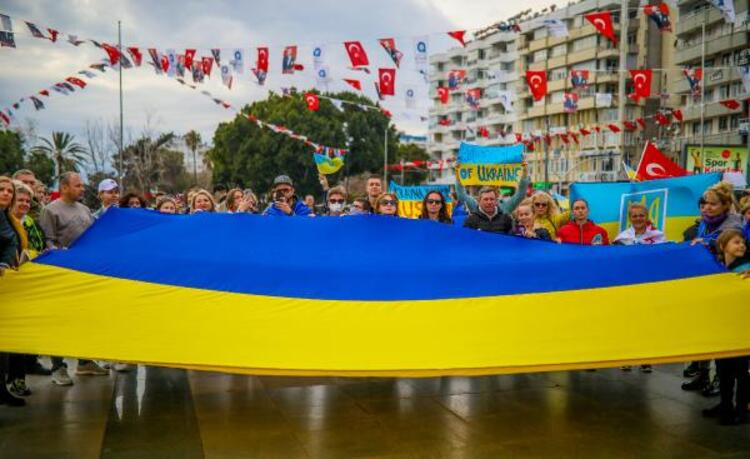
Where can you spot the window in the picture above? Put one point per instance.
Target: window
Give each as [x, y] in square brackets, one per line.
[724, 91]
[723, 123]
[556, 97]
[734, 122]
[540, 33]
[540, 56]
[558, 74]
[480, 54]
[559, 50]
[632, 39]
[584, 43]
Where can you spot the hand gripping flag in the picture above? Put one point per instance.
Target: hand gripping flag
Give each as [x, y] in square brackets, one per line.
[357, 54]
[654, 165]
[641, 84]
[443, 94]
[602, 22]
[387, 81]
[311, 99]
[356, 84]
[537, 81]
[135, 53]
[694, 76]
[579, 79]
[389, 45]
[660, 15]
[458, 35]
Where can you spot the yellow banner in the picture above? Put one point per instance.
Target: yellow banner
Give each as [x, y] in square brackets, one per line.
[413, 209]
[490, 174]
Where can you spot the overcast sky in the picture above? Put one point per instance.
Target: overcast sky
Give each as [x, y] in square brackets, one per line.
[36, 64]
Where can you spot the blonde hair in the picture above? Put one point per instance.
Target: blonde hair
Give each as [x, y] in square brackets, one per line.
[552, 209]
[23, 238]
[23, 188]
[202, 192]
[161, 200]
[637, 205]
[724, 238]
[339, 190]
[724, 193]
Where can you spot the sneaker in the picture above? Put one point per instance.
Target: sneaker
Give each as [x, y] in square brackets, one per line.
[61, 377]
[691, 370]
[91, 369]
[711, 389]
[696, 384]
[18, 388]
[105, 365]
[6, 398]
[646, 368]
[626, 368]
[122, 367]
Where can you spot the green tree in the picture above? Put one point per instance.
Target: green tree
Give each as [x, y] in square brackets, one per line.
[11, 152]
[247, 155]
[63, 150]
[193, 142]
[410, 152]
[42, 166]
[142, 161]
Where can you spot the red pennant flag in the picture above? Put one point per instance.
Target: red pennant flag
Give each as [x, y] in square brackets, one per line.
[519, 137]
[602, 22]
[661, 119]
[112, 52]
[357, 54]
[76, 81]
[443, 94]
[44, 92]
[613, 128]
[459, 36]
[537, 81]
[585, 132]
[311, 99]
[53, 35]
[641, 121]
[5, 118]
[641, 84]
[135, 53]
[356, 84]
[597, 129]
[564, 138]
[575, 138]
[548, 138]
[484, 132]
[226, 105]
[189, 56]
[207, 64]
[444, 122]
[262, 61]
[387, 113]
[629, 125]
[654, 165]
[164, 63]
[731, 104]
[677, 113]
[387, 82]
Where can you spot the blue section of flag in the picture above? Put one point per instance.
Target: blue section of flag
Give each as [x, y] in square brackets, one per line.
[356, 258]
[477, 154]
[418, 192]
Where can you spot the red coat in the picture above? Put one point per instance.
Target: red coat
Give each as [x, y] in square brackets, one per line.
[586, 234]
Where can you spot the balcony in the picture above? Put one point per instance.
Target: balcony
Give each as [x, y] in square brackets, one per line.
[509, 56]
[692, 21]
[723, 44]
[712, 110]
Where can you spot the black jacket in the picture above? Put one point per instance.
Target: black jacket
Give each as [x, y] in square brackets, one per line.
[500, 223]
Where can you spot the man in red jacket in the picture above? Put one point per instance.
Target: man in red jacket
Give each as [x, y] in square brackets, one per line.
[581, 230]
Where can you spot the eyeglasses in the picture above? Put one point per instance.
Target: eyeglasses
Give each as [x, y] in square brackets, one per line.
[336, 201]
[284, 190]
[387, 202]
[434, 201]
[540, 204]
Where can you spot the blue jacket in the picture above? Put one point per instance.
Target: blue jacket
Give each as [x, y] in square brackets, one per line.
[299, 209]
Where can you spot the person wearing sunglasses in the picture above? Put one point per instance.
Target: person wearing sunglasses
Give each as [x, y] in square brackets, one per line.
[434, 208]
[387, 204]
[546, 213]
[336, 202]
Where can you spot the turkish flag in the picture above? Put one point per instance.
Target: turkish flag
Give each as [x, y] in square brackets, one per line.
[677, 113]
[262, 62]
[484, 132]
[53, 35]
[135, 53]
[44, 92]
[386, 113]
[443, 94]
[207, 63]
[641, 121]
[641, 83]
[575, 137]
[537, 81]
[387, 82]
[519, 137]
[357, 54]
[112, 52]
[459, 36]
[661, 119]
[354, 84]
[189, 56]
[613, 128]
[76, 81]
[654, 165]
[445, 122]
[311, 99]
[584, 132]
[731, 104]
[602, 22]
[164, 63]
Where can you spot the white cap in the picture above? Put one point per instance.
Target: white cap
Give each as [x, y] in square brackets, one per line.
[107, 185]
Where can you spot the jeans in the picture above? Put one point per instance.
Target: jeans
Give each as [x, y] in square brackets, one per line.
[57, 363]
[730, 371]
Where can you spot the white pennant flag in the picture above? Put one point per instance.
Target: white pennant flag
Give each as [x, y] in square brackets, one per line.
[411, 97]
[745, 74]
[727, 9]
[421, 56]
[323, 76]
[226, 76]
[338, 104]
[506, 100]
[603, 100]
[172, 58]
[556, 27]
[238, 61]
[319, 55]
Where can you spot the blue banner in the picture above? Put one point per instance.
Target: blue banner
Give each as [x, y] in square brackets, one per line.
[477, 154]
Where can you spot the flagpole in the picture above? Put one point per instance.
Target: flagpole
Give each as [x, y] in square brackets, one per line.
[624, 24]
[703, 85]
[385, 157]
[119, 47]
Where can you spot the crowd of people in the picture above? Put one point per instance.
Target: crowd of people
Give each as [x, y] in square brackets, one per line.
[31, 222]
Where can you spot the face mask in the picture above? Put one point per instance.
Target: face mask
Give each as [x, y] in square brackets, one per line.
[336, 207]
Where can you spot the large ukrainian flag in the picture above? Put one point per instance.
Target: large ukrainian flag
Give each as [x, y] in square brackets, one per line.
[363, 296]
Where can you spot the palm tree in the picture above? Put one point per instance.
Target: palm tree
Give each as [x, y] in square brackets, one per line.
[62, 150]
[193, 142]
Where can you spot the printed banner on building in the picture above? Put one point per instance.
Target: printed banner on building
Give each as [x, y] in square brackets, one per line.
[410, 198]
[494, 166]
[717, 158]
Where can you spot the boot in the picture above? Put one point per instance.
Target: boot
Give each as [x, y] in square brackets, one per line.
[8, 399]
